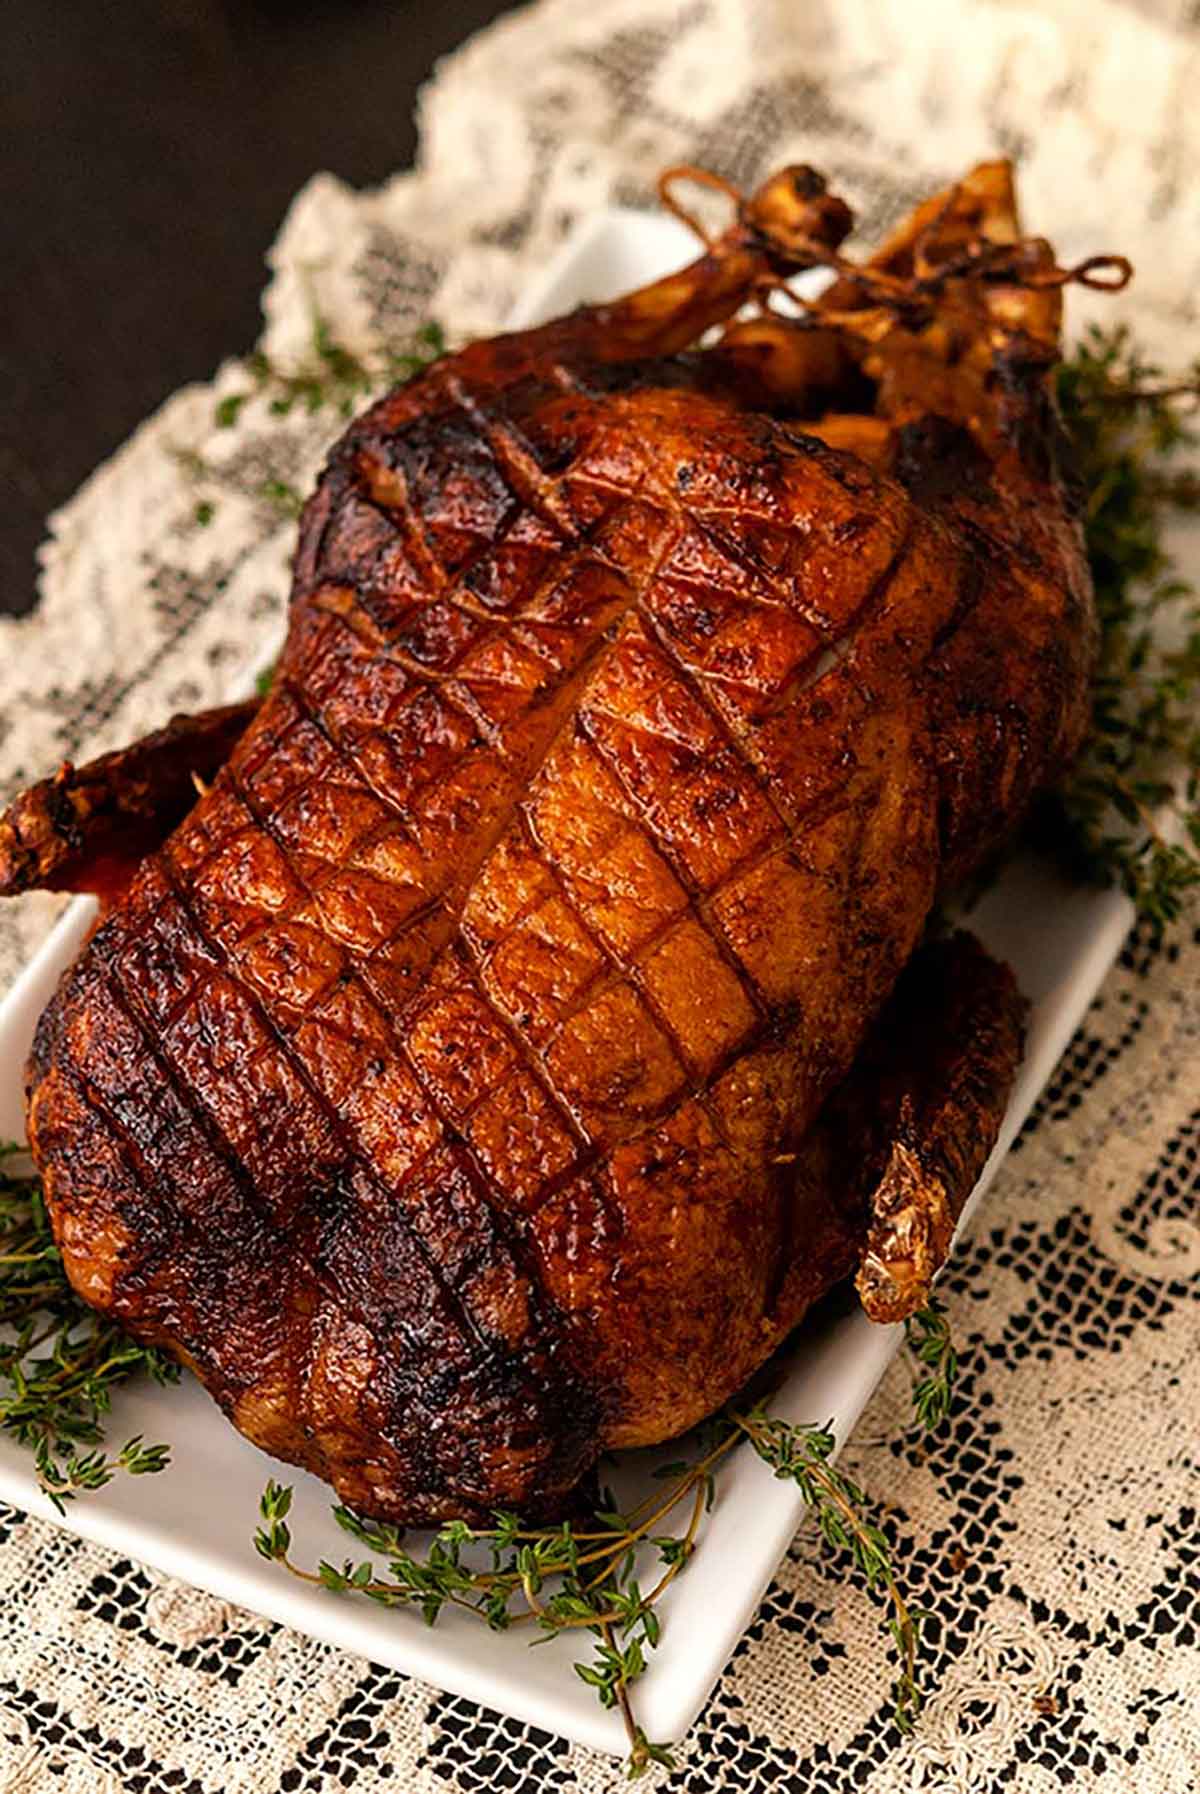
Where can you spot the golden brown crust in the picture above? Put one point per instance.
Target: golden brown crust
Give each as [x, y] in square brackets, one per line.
[434, 1089]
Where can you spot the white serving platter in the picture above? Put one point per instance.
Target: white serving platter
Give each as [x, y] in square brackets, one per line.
[196, 1520]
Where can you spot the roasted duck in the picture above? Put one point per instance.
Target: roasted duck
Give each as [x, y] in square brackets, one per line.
[536, 1012]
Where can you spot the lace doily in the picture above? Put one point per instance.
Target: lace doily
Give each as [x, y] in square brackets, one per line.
[1052, 1528]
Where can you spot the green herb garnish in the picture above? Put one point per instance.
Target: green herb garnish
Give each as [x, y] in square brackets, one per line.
[1129, 813]
[927, 1334]
[334, 376]
[804, 1455]
[283, 496]
[585, 1577]
[59, 1360]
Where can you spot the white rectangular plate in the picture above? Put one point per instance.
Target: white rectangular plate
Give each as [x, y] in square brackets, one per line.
[196, 1520]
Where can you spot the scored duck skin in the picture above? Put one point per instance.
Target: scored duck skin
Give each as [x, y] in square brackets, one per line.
[443, 1089]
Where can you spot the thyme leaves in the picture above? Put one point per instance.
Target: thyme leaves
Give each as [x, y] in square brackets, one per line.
[60, 1361]
[332, 376]
[1129, 811]
[590, 1576]
[804, 1455]
[927, 1334]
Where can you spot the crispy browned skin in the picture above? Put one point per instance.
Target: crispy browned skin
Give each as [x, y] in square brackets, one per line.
[436, 1090]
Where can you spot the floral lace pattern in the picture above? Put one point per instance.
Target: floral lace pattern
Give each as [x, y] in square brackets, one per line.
[1051, 1526]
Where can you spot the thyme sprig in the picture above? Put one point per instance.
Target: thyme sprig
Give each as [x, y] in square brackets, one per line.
[587, 1577]
[59, 1360]
[559, 1579]
[804, 1455]
[1129, 812]
[553, 1579]
[332, 376]
[928, 1337]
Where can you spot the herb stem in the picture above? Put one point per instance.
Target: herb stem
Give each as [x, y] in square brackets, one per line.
[803, 1455]
[665, 1507]
[1149, 395]
[1128, 426]
[638, 1759]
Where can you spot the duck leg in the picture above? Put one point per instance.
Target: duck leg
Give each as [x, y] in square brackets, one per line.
[900, 1145]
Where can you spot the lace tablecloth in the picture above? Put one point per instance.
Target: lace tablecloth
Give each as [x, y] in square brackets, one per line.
[1052, 1524]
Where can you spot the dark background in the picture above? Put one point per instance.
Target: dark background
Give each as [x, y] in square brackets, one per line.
[150, 151]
